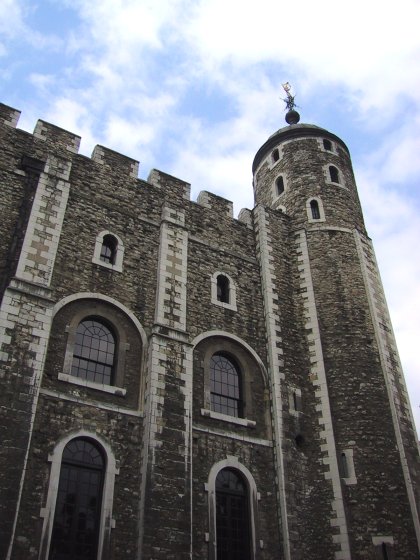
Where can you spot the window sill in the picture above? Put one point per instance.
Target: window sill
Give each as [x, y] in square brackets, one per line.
[350, 480]
[92, 385]
[225, 305]
[114, 267]
[225, 418]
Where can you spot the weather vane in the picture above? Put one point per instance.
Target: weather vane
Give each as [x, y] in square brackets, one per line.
[292, 116]
[290, 99]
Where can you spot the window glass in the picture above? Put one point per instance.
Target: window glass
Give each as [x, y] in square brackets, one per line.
[94, 351]
[333, 174]
[315, 210]
[225, 387]
[109, 249]
[275, 155]
[77, 511]
[223, 289]
[327, 145]
[279, 185]
[232, 516]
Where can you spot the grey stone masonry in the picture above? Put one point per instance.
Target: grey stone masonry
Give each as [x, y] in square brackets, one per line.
[224, 384]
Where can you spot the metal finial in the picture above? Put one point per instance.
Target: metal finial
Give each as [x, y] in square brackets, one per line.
[292, 116]
[290, 99]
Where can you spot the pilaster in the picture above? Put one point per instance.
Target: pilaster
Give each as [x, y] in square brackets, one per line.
[25, 319]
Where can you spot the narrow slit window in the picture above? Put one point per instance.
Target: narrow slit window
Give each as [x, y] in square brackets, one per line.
[344, 466]
[275, 155]
[334, 175]
[315, 210]
[297, 401]
[223, 289]
[279, 185]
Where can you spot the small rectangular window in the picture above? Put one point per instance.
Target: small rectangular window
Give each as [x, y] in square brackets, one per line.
[327, 145]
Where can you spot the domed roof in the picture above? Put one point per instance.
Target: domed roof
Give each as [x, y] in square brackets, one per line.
[293, 131]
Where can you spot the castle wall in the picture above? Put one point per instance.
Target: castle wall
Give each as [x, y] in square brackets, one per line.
[303, 321]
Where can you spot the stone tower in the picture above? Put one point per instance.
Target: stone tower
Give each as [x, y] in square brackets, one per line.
[179, 384]
[355, 455]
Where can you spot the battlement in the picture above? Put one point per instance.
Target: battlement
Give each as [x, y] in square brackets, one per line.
[57, 136]
[59, 140]
[115, 161]
[215, 202]
[8, 115]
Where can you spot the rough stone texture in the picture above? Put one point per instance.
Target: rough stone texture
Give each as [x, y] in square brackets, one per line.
[310, 333]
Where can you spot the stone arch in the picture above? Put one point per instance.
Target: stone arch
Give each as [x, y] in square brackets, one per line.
[231, 462]
[111, 471]
[129, 356]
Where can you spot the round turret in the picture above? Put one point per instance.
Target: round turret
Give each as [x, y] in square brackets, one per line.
[306, 172]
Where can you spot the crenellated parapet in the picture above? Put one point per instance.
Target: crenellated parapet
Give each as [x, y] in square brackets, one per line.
[57, 137]
[215, 202]
[8, 115]
[115, 162]
[54, 143]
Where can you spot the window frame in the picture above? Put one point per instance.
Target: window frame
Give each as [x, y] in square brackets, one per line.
[239, 400]
[106, 521]
[119, 357]
[275, 156]
[232, 462]
[325, 142]
[232, 291]
[311, 219]
[276, 193]
[105, 324]
[333, 168]
[249, 363]
[347, 474]
[117, 266]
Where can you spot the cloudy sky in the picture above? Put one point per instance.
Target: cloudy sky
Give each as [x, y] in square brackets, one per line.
[193, 87]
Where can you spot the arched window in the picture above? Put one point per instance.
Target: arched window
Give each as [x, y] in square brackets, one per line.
[315, 210]
[275, 155]
[94, 352]
[279, 185]
[225, 386]
[109, 249]
[334, 175]
[232, 516]
[79, 498]
[223, 289]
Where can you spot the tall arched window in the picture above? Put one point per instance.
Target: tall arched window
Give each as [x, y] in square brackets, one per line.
[223, 289]
[94, 352]
[225, 386]
[232, 516]
[109, 249]
[79, 498]
[315, 210]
